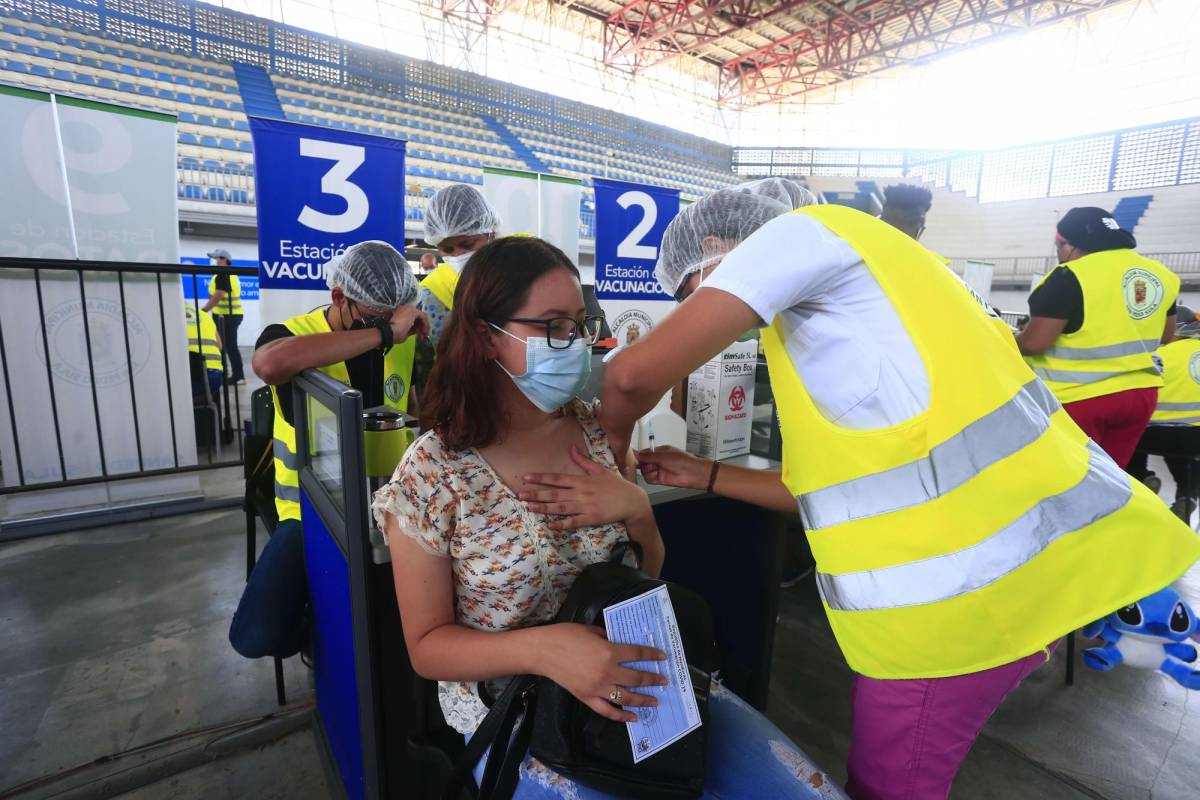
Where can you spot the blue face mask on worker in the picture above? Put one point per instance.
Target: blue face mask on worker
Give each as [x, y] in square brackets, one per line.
[552, 376]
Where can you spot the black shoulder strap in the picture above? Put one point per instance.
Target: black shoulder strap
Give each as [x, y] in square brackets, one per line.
[502, 768]
[617, 554]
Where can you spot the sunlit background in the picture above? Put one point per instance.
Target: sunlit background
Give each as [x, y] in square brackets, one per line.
[1133, 64]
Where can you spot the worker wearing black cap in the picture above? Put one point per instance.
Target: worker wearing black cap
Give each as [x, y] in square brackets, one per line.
[1095, 324]
[1174, 431]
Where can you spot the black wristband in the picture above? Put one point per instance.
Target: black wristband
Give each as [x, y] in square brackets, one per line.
[386, 337]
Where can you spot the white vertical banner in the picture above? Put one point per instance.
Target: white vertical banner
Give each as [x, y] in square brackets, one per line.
[978, 275]
[535, 204]
[95, 182]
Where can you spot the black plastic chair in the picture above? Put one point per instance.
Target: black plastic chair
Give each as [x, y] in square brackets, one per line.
[258, 468]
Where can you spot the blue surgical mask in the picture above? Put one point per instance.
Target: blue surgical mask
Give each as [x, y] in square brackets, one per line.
[552, 377]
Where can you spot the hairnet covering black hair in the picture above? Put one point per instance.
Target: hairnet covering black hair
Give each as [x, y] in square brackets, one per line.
[1094, 230]
[373, 273]
[459, 210]
[908, 197]
[730, 215]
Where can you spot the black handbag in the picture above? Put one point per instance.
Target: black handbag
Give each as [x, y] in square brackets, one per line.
[570, 738]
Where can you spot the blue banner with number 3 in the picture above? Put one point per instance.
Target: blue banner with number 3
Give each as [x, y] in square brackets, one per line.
[630, 221]
[320, 190]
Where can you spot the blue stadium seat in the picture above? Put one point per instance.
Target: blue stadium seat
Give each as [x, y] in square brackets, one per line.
[193, 192]
[38, 69]
[208, 141]
[215, 193]
[107, 83]
[228, 144]
[212, 164]
[185, 97]
[17, 66]
[246, 147]
[63, 75]
[188, 138]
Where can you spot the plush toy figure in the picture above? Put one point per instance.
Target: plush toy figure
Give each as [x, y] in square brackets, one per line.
[1152, 633]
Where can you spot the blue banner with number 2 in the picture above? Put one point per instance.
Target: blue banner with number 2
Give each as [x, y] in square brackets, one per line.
[630, 221]
[320, 190]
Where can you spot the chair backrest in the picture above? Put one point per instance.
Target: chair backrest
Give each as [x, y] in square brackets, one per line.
[201, 395]
[262, 412]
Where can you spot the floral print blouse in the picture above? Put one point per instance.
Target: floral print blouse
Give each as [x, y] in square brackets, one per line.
[510, 569]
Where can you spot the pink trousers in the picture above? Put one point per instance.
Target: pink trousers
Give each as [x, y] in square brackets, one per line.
[909, 737]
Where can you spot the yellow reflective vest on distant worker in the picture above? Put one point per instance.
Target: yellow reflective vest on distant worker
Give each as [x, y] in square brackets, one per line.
[397, 372]
[984, 528]
[1125, 302]
[231, 303]
[1179, 398]
[202, 338]
[441, 283]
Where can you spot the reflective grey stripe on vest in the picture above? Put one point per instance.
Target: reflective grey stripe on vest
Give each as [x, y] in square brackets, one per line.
[211, 343]
[991, 438]
[285, 492]
[1103, 491]
[1075, 376]
[1105, 351]
[1175, 421]
[289, 459]
[1178, 407]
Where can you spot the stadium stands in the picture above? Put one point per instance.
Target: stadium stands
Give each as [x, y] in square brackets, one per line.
[1017, 235]
[215, 155]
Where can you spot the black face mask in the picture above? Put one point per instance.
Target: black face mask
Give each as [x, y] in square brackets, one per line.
[360, 323]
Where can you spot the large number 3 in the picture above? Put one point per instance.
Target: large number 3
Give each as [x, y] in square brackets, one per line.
[346, 158]
[631, 246]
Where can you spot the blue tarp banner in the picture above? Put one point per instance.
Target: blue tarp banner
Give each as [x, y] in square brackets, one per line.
[320, 190]
[630, 220]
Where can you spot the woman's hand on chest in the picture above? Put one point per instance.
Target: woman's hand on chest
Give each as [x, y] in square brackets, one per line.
[598, 496]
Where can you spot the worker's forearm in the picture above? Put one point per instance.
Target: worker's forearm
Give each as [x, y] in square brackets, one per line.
[216, 297]
[283, 359]
[754, 486]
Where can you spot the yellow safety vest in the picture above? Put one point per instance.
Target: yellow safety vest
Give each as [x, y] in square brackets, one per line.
[980, 530]
[441, 283]
[397, 367]
[1125, 303]
[202, 339]
[1179, 398]
[231, 303]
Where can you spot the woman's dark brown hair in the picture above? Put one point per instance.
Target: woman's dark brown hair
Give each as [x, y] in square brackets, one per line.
[459, 400]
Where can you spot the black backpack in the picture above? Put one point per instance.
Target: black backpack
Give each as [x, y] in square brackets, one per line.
[574, 741]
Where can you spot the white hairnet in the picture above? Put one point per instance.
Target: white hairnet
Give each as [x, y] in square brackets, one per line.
[458, 210]
[373, 273]
[728, 214]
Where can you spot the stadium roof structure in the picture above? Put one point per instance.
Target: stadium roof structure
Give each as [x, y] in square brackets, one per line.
[771, 50]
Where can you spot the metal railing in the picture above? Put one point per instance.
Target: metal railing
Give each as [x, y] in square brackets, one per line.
[49, 305]
[1007, 268]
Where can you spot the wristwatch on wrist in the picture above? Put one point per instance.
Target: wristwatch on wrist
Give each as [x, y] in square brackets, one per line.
[386, 336]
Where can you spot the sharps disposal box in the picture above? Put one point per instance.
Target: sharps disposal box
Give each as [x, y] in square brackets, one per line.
[721, 403]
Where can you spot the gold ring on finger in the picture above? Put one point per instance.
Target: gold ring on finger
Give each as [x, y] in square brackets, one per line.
[615, 695]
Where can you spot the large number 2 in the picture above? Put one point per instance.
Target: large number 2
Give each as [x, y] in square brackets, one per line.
[346, 158]
[631, 246]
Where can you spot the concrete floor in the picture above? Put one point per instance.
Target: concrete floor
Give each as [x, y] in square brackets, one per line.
[115, 639]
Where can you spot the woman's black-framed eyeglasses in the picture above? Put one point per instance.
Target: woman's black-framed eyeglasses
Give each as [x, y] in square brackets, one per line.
[561, 332]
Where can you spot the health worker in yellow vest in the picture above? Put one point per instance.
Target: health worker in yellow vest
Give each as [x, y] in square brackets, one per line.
[1094, 324]
[204, 341]
[225, 303]
[365, 338]
[1174, 428]
[458, 221]
[960, 521]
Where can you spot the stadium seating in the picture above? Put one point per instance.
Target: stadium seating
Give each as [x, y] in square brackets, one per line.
[215, 154]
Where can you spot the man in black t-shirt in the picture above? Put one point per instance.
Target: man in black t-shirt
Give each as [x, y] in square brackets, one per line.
[225, 304]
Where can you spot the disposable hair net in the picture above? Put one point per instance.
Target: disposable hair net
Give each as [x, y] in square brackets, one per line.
[373, 273]
[730, 215]
[458, 210]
